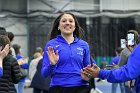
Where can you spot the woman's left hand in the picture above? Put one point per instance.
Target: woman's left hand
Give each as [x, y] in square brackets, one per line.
[85, 76]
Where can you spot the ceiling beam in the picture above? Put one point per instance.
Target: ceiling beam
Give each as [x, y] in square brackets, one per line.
[45, 2]
[65, 5]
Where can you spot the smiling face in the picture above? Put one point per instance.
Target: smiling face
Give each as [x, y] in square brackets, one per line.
[67, 24]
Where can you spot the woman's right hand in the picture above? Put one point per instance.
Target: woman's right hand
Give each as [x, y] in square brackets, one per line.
[53, 57]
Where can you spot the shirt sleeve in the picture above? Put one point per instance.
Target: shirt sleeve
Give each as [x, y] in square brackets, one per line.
[113, 61]
[47, 68]
[86, 60]
[1, 72]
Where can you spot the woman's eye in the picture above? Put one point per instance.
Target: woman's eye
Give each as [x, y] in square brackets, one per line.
[63, 21]
[71, 21]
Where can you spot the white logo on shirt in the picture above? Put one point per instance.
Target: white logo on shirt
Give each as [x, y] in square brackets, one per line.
[57, 45]
[80, 51]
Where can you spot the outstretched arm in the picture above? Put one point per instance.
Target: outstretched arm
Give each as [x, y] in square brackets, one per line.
[127, 72]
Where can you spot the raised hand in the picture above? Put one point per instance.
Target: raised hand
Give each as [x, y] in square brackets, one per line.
[5, 51]
[53, 57]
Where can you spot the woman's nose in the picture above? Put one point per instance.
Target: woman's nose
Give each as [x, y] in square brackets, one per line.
[67, 22]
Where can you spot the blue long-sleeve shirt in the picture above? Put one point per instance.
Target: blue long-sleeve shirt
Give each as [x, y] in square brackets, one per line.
[127, 72]
[72, 58]
[115, 60]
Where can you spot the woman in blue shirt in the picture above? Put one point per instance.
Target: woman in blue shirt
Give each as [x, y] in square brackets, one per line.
[65, 55]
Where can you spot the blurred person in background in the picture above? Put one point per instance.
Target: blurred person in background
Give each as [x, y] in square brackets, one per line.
[3, 54]
[113, 63]
[39, 83]
[39, 50]
[11, 38]
[129, 85]
[4, 51]
[23, 65]
[34, 62]
[11, 72]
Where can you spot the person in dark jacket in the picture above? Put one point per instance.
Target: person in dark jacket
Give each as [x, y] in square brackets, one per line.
[11, 72]
[4, 51]
[39, 83]
[3, 54]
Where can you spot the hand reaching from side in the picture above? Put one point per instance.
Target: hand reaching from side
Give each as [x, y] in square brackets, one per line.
[53, 57]
[93, 70]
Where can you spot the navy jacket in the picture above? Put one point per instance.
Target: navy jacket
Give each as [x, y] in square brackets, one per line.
[38, 81]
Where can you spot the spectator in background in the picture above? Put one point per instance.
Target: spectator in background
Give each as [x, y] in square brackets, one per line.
[11, 72]
[23, 64]
[3, 53]
[124, 58]
[3, 31]
[39, 83]
[113, 63]
[11, 38]
[34, 63]
[39, 50]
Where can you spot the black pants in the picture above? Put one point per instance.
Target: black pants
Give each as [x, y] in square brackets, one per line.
[78, 89]
[36, 90]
